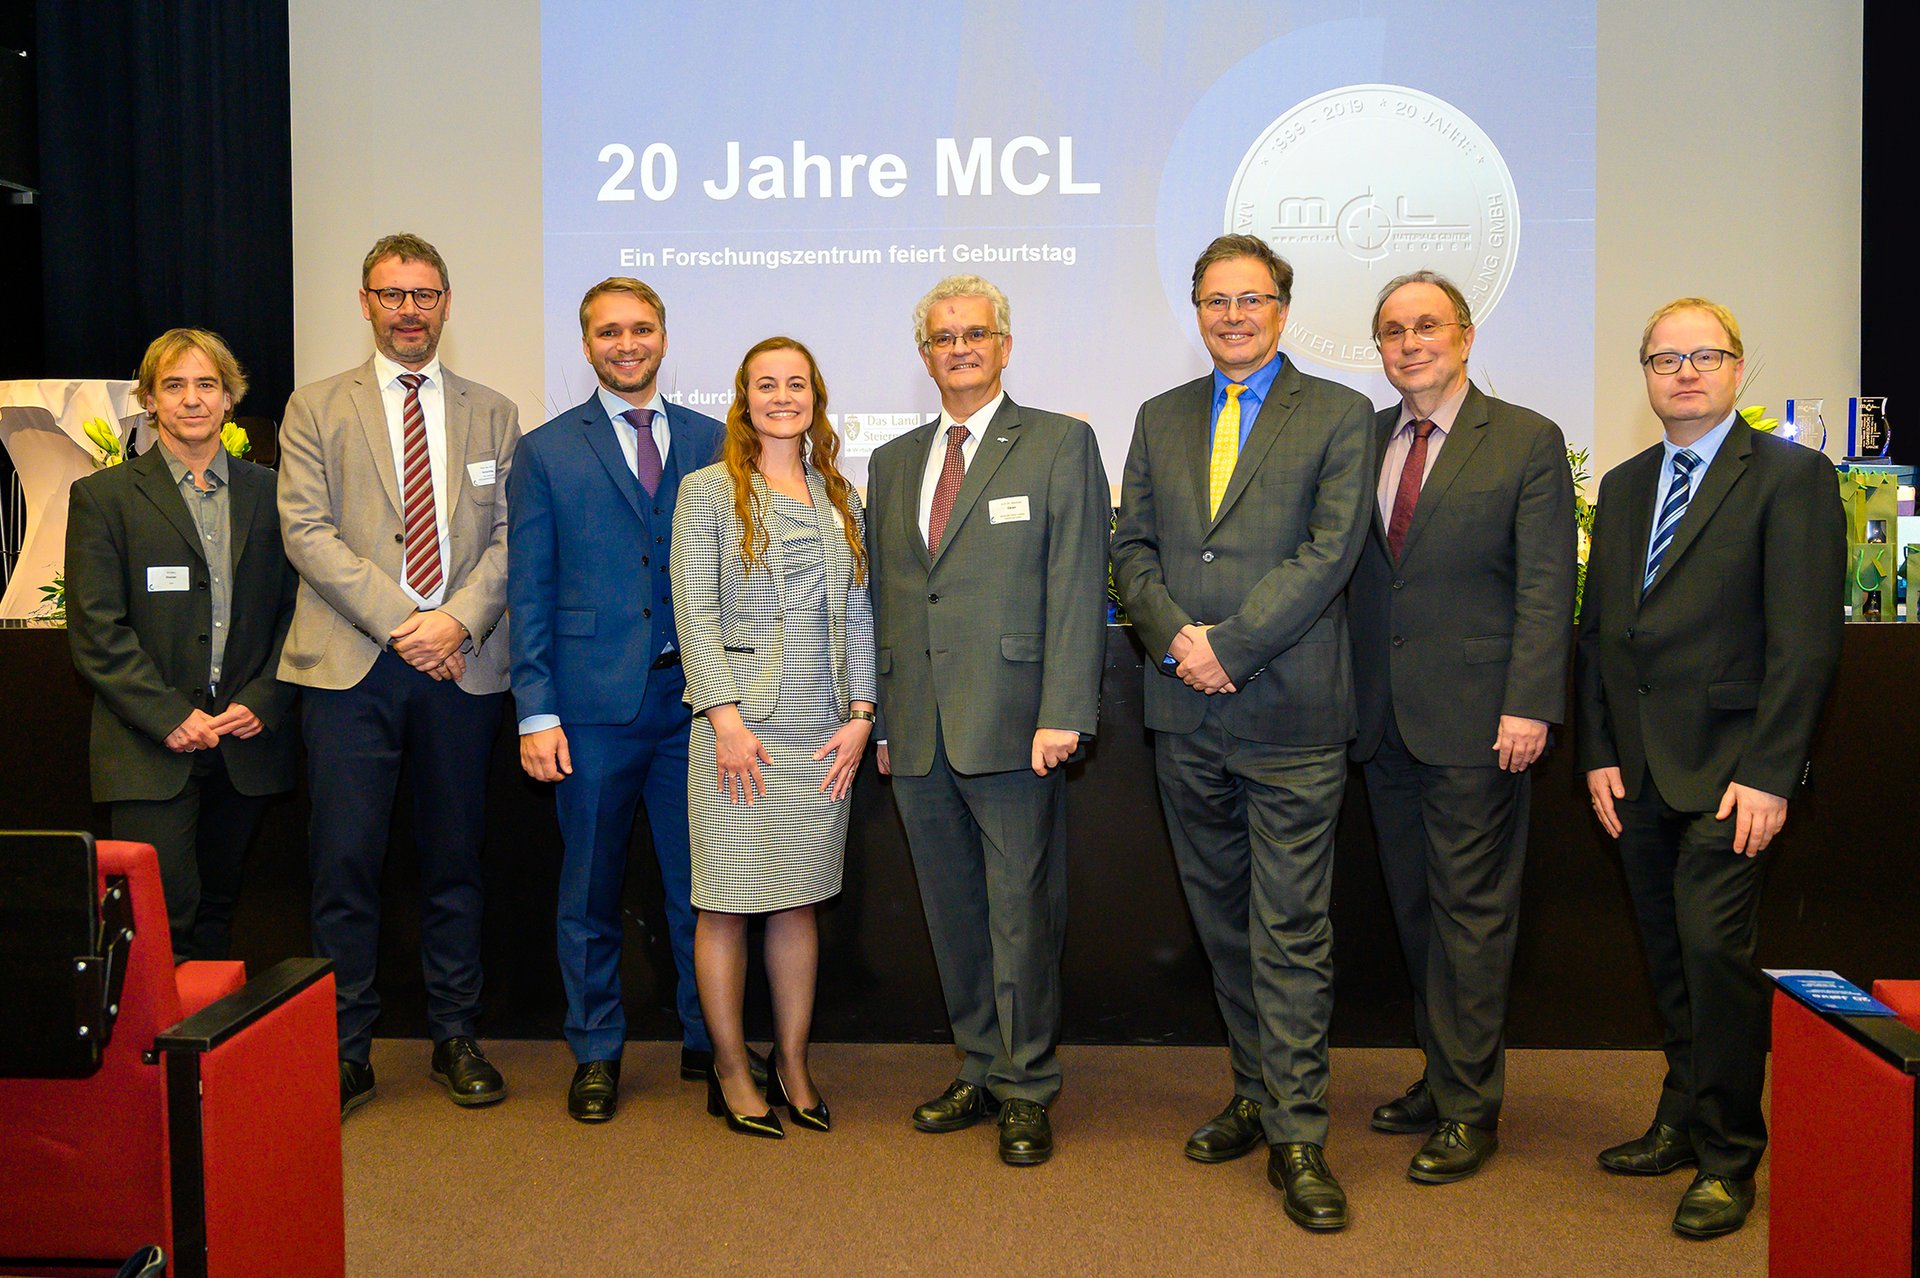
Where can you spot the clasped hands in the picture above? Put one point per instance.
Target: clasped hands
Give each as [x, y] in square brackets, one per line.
[202, 731]
[1198, 668]
[430, 641]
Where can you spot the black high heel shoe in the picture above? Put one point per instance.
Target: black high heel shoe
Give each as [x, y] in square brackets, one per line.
[816, 1119]
[766, 1125]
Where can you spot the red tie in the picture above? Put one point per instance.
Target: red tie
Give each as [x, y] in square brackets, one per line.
[1412, 474]
[952, 471]
[423, 532]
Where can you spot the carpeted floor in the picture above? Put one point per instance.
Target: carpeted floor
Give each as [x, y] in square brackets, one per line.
[521, 1189]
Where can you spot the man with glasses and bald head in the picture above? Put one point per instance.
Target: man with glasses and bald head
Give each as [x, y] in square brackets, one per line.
[1709, 636]
[392, 507]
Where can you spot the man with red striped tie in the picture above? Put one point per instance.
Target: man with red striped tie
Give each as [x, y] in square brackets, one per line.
[393, 509]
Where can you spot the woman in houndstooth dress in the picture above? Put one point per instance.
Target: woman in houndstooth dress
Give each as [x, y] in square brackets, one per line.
[776, 636]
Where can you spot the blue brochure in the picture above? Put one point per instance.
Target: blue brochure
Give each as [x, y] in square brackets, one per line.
[1828, 991]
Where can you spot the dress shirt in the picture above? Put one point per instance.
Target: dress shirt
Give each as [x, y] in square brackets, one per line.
[211, 510]
[433, 408]
[937, 455]
[1393, 458]
[1257, 388]
[629, 437]
[1705, 449]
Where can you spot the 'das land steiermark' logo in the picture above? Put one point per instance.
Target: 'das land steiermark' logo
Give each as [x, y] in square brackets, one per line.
[1357, 185]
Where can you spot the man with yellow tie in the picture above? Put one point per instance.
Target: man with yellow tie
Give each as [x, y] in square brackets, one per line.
[1243, 509]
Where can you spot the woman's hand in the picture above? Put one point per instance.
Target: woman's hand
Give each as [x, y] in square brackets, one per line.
[739, 754]
[846, 746]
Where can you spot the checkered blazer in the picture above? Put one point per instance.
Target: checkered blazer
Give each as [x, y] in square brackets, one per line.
[730, 620]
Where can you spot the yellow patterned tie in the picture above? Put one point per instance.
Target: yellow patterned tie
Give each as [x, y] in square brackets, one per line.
[1226, 450]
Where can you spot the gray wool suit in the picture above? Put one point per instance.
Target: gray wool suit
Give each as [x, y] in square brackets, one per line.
[1251, 781]
[1003, 633]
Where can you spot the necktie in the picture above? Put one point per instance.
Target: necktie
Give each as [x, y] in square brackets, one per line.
[646, 453]
[952, 471]
[1407, 496]
[1678, 495]
[1226, 450]
[423, 530]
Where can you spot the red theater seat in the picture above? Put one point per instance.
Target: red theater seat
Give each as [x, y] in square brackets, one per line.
[211, 1128]
[1843, 1186]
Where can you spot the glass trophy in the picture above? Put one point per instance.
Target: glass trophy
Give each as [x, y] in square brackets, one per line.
[1867, 431]
[1805, 423]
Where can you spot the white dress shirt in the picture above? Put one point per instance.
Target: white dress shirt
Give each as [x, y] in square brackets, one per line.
[433, 407]
[937, 456]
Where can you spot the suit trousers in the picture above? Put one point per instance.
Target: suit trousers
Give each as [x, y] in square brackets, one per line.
[1252, 827]
[358, 739]
[1698, 905]
[201, 835]
[1452, 844]
[617, 769]
[990, 852]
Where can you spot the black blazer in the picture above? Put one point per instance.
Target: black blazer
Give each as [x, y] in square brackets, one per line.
[1476, 620]
[146, 651]
[1717, 674]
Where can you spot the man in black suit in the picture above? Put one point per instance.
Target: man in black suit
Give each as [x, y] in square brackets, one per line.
[178, 600]
[1247, 495]
[1709, 635]
[1462, 611]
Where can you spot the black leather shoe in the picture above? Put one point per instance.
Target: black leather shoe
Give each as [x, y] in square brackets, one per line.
[1026, 1136]
[816, 1119]
[356, 1086]
[1232, 1132]
[1661, 1150]
[594, 1094]
[1312, 1197]
[695, 1063]
[463, 1069]
[1455, 1151]
[961, 1106]
[1712, 1206]
[1408, 1114]
[766, 1125]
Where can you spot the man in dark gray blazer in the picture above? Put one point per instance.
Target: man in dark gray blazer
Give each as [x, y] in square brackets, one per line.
[178, 601]
[1709, 635]
[988, 535]
[1246, 497]
[1462, 613]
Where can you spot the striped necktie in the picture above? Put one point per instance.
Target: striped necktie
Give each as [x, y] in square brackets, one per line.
[1226, 450]
[423, 528]
[1678, 495]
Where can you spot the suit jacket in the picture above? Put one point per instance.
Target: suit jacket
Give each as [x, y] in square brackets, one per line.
[1476, 620]
[146, 651]
[1268, 573]
[732, 620]
[584, 553]
[341, 518]
[1005, 632]
[1717, 674]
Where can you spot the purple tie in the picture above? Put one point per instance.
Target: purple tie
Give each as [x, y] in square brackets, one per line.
[646, 453]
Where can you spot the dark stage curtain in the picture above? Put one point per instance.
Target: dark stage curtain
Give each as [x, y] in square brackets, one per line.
[166, 191]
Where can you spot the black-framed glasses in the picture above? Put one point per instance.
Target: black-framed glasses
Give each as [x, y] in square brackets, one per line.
[1247, 302]
[1426, 330]
[1707, 359]
[424, 298]
[967, 337]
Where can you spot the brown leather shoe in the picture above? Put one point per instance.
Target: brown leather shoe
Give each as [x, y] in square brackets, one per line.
[1713, 1206]
[1312, 1198]
[961, 1106]
[1663, 1149]
[1455, 1151]
[1232, 1132]
[1408, 1114]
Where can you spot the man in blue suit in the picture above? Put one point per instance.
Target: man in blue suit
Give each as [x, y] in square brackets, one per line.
[596, 664]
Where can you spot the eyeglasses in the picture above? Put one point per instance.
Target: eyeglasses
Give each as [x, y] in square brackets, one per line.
[1427, 330]
[1707, 359]
[424, 298]
[1250, 303]
[970, 337]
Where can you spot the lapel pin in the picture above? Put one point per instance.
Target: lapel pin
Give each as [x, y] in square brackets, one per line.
[1000, 438]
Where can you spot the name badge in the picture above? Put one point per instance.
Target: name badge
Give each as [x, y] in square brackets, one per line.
[481, 472]
[1008, 510]
[159, 579]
